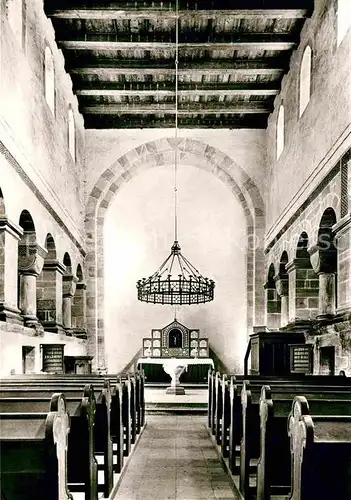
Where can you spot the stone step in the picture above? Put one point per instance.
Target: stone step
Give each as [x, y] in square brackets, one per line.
[174, 407]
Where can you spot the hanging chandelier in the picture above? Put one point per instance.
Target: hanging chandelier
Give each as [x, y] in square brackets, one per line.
[177, 281]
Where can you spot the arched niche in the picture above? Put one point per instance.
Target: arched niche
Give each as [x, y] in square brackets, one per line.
[158, 153]
[273, 302]
[69, 290]
[79, 306]
[30, 262]
[175, 338]
[49, 286]
[306, 283]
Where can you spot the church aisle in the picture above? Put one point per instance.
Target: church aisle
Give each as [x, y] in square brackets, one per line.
[175, 459]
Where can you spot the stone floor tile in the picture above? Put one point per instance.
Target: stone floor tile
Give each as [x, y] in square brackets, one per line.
[175, 460]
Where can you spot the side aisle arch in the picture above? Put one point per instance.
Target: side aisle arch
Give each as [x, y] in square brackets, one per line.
[159, 153]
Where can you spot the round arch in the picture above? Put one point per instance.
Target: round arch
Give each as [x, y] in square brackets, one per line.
[159, 153]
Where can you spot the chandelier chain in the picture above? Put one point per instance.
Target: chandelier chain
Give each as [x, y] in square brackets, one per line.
[189, 286]
[176, 123]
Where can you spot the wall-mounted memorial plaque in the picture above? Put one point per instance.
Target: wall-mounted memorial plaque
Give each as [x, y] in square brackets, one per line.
[53, 358]
[301, 358]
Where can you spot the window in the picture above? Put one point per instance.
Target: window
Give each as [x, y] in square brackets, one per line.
[343, 19]
[305, 79]
[71, 134]
[14, 11]
[280, 131]
[49, 80]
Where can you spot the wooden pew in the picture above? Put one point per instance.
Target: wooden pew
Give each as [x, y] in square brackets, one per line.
[274, 465]
[320, 398]
[135, 392]
[210, 393]
[137, 405]
[320, 454]
[82, 465]
[235, 410]
[33, 453]
[107, 428]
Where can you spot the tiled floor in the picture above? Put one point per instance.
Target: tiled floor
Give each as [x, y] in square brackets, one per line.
[175, 459]
[153, 395]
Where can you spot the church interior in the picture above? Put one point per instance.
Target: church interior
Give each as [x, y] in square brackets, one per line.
[175, 249]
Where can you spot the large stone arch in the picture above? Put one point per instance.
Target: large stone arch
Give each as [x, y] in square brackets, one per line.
[159, 153]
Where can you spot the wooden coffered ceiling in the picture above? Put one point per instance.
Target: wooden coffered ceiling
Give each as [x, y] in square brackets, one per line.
[232, 57]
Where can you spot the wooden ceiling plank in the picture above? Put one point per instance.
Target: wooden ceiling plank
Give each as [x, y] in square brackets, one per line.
[171, 93]
[142, 86]
[140, 110]
[168, 72]
[143, 66]
[164, 14]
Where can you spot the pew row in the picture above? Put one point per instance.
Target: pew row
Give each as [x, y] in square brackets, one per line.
[256, 448]
[321, 454]
[33, 453]
[81, 405]
[117, 418]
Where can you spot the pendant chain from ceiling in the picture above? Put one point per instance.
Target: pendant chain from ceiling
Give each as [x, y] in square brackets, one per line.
[176, 122]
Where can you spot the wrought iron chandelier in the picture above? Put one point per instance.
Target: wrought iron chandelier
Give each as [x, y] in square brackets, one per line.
[186, 285]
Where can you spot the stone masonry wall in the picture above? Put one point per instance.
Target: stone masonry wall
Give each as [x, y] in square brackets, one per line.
[318, 139]
[36, 139]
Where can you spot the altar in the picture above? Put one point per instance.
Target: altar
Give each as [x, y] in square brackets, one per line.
[176, 351]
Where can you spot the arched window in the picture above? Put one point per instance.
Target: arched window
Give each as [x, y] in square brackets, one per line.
[49, 79]
[71, 134]
[305, 79]
[344, 19]
[280, 131]
[14, 13]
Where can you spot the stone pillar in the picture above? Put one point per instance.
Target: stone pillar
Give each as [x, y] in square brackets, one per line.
[79, 311]
[28, 297]
[303, 291]
[342, 231]
[49, 296]
[282, 287]
[323, 261]
[30, 263]
[10, 233]
[69, 289]
[326, 295]
[273, 307]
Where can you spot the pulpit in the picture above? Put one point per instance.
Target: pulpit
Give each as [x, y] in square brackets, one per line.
[271, 352]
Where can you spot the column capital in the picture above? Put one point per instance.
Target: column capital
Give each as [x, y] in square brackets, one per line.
[69, 285]
[281, 284]
[81, 285]
[323, 260]
[31, 258]
[8, 226]
[54, 265]
[297, 263]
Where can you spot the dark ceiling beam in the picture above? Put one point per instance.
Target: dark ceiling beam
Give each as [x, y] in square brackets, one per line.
[150, 121]
[106, 73]
[111, 87]
[163, 14]
[250, 107]
[171, 93]
[149, 67]
[259, 41]
[168, 72]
